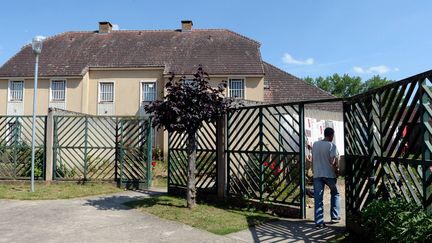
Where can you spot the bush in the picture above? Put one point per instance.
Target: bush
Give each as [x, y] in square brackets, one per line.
[397, 221]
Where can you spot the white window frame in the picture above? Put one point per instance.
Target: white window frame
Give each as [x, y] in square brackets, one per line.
[51, 90]
[244, 86]
[188, 81]
[10, 93]
[142, 82]
[266, 84]
[100, 101]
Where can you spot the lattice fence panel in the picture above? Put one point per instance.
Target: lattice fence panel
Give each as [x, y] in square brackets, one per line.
[15, 146]
[103, 148]
[388, 144]
[264, 153]
[205, 162]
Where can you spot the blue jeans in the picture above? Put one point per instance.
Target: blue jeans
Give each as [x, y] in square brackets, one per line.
[318, 198]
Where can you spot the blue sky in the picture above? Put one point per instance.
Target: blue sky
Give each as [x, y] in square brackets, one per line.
[305, 38]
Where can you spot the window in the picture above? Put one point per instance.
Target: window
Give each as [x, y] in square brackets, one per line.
[236, 88]
[266, 84]
[16, 90]
[189, 81]
[58, 90]
[148, 92]
[106, 92]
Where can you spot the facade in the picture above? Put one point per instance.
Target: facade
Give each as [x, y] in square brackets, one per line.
[115, 72]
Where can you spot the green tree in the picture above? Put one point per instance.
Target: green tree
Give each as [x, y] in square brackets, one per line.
[346, 85]
[375, 82]
[184, 110]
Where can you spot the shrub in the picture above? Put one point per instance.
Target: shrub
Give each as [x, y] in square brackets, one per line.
[397, 221]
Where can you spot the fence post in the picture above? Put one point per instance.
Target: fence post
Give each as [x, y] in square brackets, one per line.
[49, 160]
[374, 120]
[85, 146]
[302, 163]
[425, 103]
[261, 149]
[221, 158]
[149, 152]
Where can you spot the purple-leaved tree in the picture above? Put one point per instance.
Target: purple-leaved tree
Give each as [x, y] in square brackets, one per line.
[185, 108]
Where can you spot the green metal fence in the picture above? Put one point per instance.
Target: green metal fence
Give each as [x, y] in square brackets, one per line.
[265, 154]
[206, 177]
[103, 148]
[388, 144]
[15, 147]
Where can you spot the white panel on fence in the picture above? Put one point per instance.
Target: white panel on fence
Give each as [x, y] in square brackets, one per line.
[290, 133]
[106, 109]
[338, 126]
[317, 131]
[15, 108]
[59, 105]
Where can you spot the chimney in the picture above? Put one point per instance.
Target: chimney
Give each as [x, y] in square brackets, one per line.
[186, 25]
[105, 27]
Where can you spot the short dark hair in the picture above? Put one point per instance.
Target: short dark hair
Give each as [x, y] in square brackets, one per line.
[328, 132]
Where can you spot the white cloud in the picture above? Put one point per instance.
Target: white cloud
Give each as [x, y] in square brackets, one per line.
[380, 69]
[358, 70]
[115, 27]
[288, 59]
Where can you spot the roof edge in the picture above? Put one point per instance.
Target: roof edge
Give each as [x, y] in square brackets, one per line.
[273, 66]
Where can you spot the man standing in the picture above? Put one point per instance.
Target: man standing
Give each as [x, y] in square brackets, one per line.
[325, 169]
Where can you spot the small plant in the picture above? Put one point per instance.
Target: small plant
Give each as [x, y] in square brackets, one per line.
[397, 221]
[157, 153]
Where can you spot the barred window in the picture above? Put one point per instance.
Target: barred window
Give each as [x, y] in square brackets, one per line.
[16, 90]
[236, 88]
[58, 90]
[148, 91]
[106, 92]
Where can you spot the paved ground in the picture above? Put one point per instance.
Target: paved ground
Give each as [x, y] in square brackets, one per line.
[104, 219]
[292, 230]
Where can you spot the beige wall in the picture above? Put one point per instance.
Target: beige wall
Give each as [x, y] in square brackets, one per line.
[82, 94]
[126, 89]
[73, 95]
[254, 89]
[3, 96]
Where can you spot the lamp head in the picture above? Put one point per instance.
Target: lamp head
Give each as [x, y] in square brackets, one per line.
[37, 44]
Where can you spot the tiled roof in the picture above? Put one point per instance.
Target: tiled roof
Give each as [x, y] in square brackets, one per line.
[285, 87]
[70, 54]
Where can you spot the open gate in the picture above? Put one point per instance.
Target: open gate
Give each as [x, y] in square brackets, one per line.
[265, 154]
[388, 144]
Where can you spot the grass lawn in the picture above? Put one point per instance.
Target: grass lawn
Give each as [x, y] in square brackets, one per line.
[54, 191]
[160, 174]
[160, 182]
[219, 218]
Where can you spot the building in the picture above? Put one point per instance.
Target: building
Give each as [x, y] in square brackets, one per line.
[117, 72]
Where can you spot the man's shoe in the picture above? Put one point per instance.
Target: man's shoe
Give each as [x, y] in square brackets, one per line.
[335, 220]
[320, 226]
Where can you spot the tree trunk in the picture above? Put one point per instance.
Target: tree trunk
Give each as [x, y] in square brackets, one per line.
[191, 190]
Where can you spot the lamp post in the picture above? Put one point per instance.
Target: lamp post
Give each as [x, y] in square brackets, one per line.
[37, 49]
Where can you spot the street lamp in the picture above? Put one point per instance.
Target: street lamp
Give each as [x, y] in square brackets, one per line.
[37, 49]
